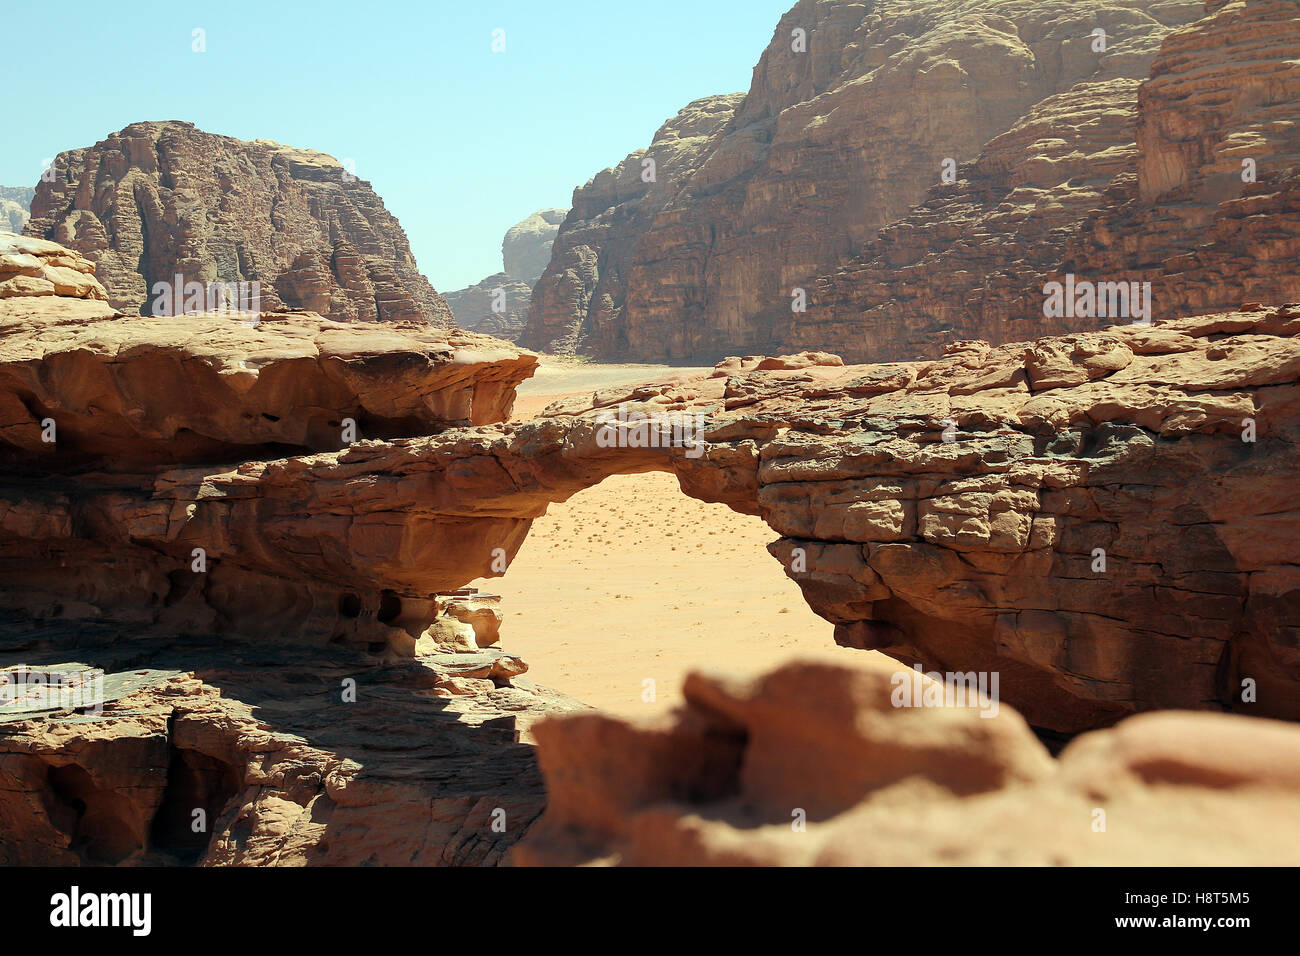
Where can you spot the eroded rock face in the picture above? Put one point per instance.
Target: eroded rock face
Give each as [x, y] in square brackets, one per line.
[97, 406]
[423, 763]
[33, 268]
[157, 200]
[579, 300]
[1102, 520]
[1080, 514]
[306, 724]
[497, 306]
[1118, 180]
[832, 145]
[15, 206]
[824, 764]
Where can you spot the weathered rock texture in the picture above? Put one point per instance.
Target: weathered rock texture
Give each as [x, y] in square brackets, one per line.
[1103, 519]
[1123, 165]
[15, 206]
[157, 200]
[1115, 181]
[815, 764]
[579, 300]
[311, 725]
[1080, 514]
[428, 764]
[499, 304]
[34, 268]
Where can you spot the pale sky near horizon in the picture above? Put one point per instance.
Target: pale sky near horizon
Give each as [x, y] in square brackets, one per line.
[459, 141]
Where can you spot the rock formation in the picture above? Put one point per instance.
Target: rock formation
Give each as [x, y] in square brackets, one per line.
[1122, 164]
[579, 300]
[158, 200]
[498, 305]
[309, 725]
[426, 764]
[1100, 519]
[821, 763]
[1090, 515]
[15, 203]
[1118, 181]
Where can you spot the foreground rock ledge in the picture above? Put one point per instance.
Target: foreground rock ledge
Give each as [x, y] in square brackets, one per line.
[730, 778]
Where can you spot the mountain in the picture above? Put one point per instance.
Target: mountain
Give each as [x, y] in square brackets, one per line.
[158, 200]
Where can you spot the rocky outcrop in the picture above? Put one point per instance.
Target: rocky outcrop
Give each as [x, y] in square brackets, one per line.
[578, 302]
[158, 200]
[835, 143]
[161, 713]
[33, 269]
[15, 203]
[205, 753]
[1118, 181]
[824, 764]
[498, 305]
[1091, 516]
[1101, 521]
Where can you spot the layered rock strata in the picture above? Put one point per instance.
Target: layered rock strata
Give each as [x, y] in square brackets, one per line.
[158, 200]
[1186, 181]
[1092, 516]
[1098, 518]
[853, 113]
[155, 712]
[578, 302]
[231, 754]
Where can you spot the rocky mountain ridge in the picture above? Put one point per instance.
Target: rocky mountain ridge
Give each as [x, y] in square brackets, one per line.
[159, 200]
[817, 214]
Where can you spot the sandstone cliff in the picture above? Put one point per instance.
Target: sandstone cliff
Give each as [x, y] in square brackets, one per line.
[1091, 515]
[578, 302]
[1100, 519]
[399, 743]
[1118, 164]
[1119, 181]
[157, 200]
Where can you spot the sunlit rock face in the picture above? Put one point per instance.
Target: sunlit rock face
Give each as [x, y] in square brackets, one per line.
[252, 501]
[854, 113]
[1096, 516]
[155, 201]
[923, 170]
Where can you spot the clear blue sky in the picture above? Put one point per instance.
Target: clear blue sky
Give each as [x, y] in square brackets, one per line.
[460, 142]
